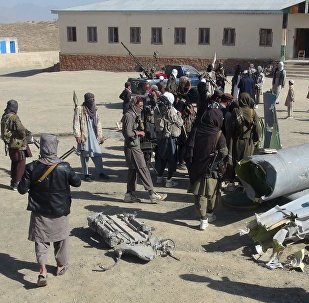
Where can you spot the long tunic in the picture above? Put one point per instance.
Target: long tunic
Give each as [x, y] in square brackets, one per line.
[132, 148]
[91, 147]
[48, 228]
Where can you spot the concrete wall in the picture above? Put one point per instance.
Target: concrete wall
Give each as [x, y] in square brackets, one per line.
[247, 34]
[35, 59]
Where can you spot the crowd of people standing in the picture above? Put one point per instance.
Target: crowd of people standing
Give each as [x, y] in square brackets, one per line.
[204, 131]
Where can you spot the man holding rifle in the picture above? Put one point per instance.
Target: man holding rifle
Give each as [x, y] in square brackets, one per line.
[87, 131]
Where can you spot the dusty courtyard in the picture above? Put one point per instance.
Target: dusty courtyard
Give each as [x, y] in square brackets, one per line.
[214, 266]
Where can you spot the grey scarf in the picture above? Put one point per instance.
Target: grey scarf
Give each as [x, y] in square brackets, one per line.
[48, 149]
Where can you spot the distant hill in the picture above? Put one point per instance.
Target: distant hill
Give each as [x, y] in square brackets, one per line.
[33, 36]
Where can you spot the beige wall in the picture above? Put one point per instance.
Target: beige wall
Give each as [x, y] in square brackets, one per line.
[30, 59]
[247, 34]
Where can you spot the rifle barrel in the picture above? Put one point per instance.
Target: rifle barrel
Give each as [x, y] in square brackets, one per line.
[68, 153]
[137, 62]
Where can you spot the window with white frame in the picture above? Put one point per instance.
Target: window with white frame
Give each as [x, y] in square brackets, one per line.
[229, 36]
[266, 37]
[71, 33]
[156, 35]
[92, 35]
[113, 35]
[180, 35]
[135, 34]
[203, 35]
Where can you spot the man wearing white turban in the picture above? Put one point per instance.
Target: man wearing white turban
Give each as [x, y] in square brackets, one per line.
[278, 80]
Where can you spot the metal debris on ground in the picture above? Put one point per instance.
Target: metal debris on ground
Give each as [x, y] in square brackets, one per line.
[125, 234]
[269, 176]
[279, 227]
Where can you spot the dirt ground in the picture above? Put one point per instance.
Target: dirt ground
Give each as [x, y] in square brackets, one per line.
[215, 265]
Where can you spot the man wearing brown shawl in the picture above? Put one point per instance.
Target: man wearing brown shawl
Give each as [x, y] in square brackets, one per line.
[209, 150]
[134, 156]
[48, 182]
[245, 129]
[14, 135]
[87, 130]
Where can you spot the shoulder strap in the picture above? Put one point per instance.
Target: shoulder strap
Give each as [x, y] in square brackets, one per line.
[46, 173]
[217, 139]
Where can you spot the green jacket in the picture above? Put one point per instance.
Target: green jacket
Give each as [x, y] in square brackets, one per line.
[13, 133]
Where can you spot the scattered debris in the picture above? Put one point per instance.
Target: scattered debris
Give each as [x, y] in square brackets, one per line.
[279, 227]
[125, 234]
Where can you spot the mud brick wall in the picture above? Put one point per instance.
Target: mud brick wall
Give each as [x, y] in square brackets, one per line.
[127, 64]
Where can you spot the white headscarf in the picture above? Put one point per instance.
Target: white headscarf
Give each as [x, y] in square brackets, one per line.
[48, 149]
[170, 97]
[175, 73]
[280, 66]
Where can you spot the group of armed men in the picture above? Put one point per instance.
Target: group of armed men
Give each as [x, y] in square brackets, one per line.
[207, 140]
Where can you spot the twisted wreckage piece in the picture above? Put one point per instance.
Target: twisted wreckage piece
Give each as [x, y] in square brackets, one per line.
[280, 226]
[125, 234]
[270, 176]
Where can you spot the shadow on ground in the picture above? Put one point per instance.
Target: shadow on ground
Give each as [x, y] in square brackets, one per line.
[256, 292]
[10, 267]
[25, 73]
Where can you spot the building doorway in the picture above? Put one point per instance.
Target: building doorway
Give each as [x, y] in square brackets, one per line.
[301, 41]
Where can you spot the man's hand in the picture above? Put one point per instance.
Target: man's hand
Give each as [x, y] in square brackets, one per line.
[78, 140]
[140, 133]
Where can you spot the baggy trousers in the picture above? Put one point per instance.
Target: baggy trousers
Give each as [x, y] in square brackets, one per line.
[60, 252]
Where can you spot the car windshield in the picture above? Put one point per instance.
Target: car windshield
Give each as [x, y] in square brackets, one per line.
[190, 70]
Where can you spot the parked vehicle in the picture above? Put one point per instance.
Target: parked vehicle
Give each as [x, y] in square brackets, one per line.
[139, 85]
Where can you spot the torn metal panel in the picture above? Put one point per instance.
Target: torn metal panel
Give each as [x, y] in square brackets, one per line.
[280, 226]
[269, 176]
[125, 234]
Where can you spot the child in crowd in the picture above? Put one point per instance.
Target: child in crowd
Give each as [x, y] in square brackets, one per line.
[290, 99]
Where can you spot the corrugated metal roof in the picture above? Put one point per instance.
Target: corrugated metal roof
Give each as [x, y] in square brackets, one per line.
[183, 5]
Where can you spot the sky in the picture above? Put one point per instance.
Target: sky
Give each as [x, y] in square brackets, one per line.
[34, 10]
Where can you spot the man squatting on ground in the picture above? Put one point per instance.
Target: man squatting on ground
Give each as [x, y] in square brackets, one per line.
[134, 155]
[47, 181]
[87, 131]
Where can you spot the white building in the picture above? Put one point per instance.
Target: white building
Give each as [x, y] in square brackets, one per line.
[181, 31]
[8, 45]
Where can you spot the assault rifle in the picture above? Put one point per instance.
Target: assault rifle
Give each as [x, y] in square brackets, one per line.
[209, 79]
[223, 77]
[148, 73]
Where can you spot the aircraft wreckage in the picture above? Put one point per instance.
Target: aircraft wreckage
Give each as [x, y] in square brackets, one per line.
[125, 234]
[269, 176]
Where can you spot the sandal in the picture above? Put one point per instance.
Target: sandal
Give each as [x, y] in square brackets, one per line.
[61, 270]
[42, 280]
